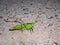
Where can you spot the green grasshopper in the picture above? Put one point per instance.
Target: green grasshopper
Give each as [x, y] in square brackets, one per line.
[23, 26]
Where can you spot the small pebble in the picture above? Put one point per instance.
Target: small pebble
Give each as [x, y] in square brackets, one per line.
[56, 15]
[48, 8]
[50, 17]
[1, 17]
[31, 4]
[0, 33]
[36, 21]
[2, 9]
[15, 12]
[57, 18]
[26, 13]
[50, 25]
[25, 9]
[38, 16]
[27, 16]
[39, 8]
[55, 43]
[6, 20]
[43, 12]
[12, 37]
[22, 1]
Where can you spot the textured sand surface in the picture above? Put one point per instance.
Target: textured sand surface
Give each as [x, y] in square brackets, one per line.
[44, 13]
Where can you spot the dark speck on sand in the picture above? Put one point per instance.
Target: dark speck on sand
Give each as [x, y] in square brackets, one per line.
[50, 17]
[56, 15]
[0, 33]
[1, 16]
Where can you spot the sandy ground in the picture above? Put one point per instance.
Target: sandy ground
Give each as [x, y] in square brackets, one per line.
[44, 13]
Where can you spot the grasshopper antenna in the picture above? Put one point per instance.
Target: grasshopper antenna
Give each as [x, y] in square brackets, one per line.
[22, 22]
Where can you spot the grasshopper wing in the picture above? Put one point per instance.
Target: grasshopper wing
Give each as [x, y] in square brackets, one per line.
[30, 26]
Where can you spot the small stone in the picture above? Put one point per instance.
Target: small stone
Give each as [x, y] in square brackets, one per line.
[38, 16]
[43, 12]
[39, 8]
[55, 43]
[57, 18]
[12, 37]
[56, 15]
[50, 17]
[6, 20]
[31, 4]
[0, 33]
[26, 13]
[36, 21]
[27, 16]
[1, 17]
[22, 1]
[50, 25]
[48, 8]
[25, 9]
[15, 12]
[2, 9]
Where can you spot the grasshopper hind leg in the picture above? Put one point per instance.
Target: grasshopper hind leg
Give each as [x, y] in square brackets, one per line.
[11, 30]
[31, 30]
